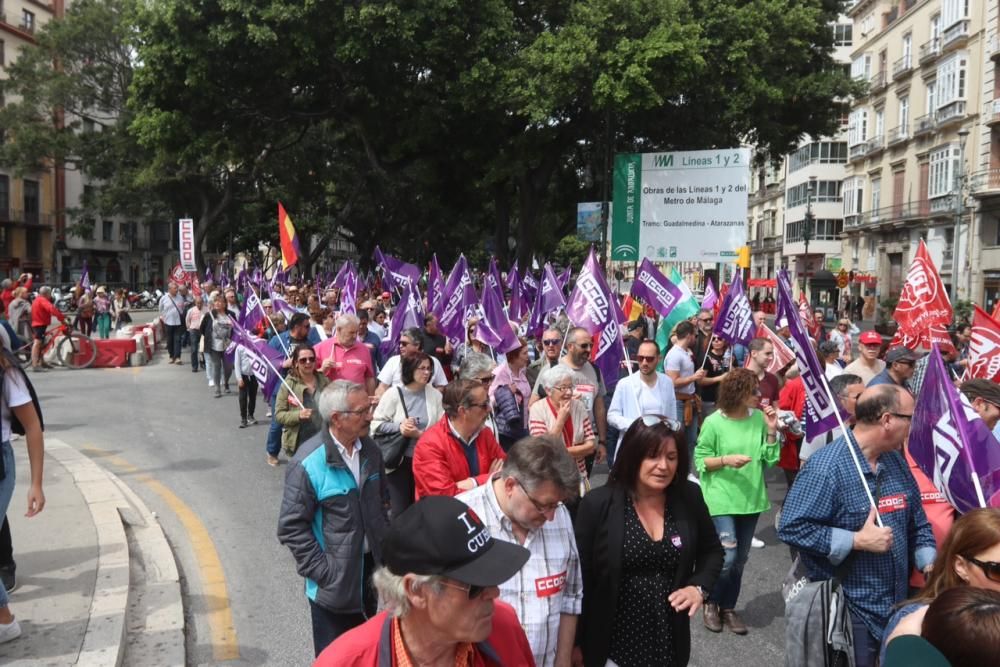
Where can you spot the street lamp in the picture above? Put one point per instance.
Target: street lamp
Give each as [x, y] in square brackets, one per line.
[959, 206]
[807, 229]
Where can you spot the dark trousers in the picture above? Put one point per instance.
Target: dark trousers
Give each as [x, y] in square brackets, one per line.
[328, 625]
[195, 337]
[248, 397]
[6, 545]
[866, 647]
[401, 487]
[174, 333]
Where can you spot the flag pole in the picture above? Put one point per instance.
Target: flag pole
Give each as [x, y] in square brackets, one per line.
[273, 328]
[638, 405]
[707, 350]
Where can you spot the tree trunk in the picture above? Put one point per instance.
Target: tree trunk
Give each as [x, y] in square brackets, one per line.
[502, 229]
[532, 188]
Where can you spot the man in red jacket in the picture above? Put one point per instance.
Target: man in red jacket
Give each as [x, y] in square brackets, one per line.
[457, 453]
[42, 312]
[439, 587]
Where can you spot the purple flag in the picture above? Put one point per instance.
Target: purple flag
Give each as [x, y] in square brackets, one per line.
[208, 274]
[952, 444]
[349, 293]
[513, 276]
[655, 289]
[251, 312]
[85, 278]
[435, 287]
[711, 296]
[822, 414]
[609, 353]
[735, 321]
[409, 313]
[341, 278]
[492, 278]
[281, 306]
[518, 305]
[456, 301]
[257, 277]
[397, 272]
[592, 304]
[497, 321]
[529, 285]
[565, 277]
[265, 360]
[548, 299]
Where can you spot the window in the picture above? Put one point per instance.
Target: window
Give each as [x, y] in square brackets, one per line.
[87, 226]
[935, 28]
[27, 21]
[950, 80]
[907, 50]
[857, 129]
[861, 67]
[876, 194]
[943, 166]
[123, 232]
[826, 191]
[904, 115]
[823, 230]
[108, 230]
[867, 23]
[4, 197]
[953, 11]
[871, 246]
[842, 34]
[879, 124]
[931, 97]
[88, 126]
[854, 195]
[31, 201]
[823, 152]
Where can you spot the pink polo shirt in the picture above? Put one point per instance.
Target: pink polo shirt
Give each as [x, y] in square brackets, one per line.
[352, 363]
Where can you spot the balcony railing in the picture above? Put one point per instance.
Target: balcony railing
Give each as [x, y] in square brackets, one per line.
[898, 135]
[888, 214]
[877, 83]
[985, 182]
[943, 204]
[858, 151]
[902, 67]
[958, 33]
[27, 27]
[874, 145]
[991, 112]
[930, 50]
[953, 111]
[993, 48]
[923, 124]
[17, 216]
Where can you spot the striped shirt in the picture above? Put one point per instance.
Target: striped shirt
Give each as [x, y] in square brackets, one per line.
[550, 583]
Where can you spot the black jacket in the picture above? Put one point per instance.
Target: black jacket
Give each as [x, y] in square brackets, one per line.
[600, 535]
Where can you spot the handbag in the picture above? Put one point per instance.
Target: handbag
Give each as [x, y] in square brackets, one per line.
[393, 445]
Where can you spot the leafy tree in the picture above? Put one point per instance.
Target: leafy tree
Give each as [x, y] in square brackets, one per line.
[571, 251]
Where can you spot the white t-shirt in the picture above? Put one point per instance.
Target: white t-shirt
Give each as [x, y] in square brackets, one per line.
[678, 359]
[15, 393]
[392, 373]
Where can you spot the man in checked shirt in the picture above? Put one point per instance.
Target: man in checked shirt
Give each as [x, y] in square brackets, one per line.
[827, 516]
[523, 504]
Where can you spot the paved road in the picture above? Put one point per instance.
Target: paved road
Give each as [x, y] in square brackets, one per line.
[159, 428]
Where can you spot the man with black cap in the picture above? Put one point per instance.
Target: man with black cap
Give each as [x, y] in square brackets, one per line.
[439, 587]
[899, 363]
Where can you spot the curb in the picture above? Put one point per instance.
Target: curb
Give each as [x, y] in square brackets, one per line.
[111, 506]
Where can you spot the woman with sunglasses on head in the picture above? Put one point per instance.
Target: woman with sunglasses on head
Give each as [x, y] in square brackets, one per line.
[295, 406]
[649, 553]
[564, 416]
[409, 410]
[969, 556]
[735, 444]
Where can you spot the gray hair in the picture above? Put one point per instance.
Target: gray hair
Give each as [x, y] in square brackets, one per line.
[346, 320]
[555, 374]
[334, 398]
[414, 334]
[6, 283]
[392, 589]
[535, 460]
[474, 365]
[45, 290]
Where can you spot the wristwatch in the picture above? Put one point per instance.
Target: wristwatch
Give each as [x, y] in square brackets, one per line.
[704, 593]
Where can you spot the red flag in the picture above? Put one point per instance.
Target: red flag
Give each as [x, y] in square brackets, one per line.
[806, 315]
[984, 348]
[996, 312]
[783, 354]
[924, 310]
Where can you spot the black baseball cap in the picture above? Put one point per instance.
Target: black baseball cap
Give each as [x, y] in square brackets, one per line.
[440, 535]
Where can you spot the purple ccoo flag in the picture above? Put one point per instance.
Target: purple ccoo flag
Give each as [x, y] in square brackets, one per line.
[711, 296]
[565, 277]
[456, 301]
[609, 353]
[548, 299]
[822, 415]
[654, 289]
[492, 278]
[952, 444]
[349, 293]
[529, 285]
[513, 276]
[735, 321]
[397, 272]
[265, 360]
[435, 288]
[251, 312]
[409, 313]
[518, 304]
[497, 321]
[341, 278]
[592, 304]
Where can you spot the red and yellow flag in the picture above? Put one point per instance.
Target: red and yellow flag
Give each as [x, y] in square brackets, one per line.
[289, 240]
[631, 308]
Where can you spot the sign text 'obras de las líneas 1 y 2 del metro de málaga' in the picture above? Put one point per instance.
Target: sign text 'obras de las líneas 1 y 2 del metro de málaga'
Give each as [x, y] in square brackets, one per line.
[683, 206]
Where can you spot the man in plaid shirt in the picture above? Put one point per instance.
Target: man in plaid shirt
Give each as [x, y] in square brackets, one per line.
[523, 504]
[827, 516]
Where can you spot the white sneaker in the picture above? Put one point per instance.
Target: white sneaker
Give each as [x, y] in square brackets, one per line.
[9, 631]
[757, 544]
[211, 383]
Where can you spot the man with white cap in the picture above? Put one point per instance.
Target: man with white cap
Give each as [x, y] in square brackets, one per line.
[439, 587]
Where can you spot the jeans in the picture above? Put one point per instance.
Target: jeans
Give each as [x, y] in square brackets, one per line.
[248, 397]
[402, 488]
[274, 432]
[735, 533]
[328, 625]
[174, 333]
[216, 365]
[195, 336]
[866, 649]
[6, 493]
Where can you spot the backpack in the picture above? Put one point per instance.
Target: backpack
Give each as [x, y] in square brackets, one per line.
[817, 624]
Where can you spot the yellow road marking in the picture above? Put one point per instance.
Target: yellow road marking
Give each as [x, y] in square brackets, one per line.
[213, 579]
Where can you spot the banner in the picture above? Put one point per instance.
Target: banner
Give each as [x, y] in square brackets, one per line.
[185, 236]
[592, 305]
[735, 321]
[710, 297]
[783, 355]
[924, 310]
[984, 347]
[654, 289]
[680, 206]
[952, 444]
[396, 272]
[588, 221]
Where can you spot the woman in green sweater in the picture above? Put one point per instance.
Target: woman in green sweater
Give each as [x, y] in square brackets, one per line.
[734, 446]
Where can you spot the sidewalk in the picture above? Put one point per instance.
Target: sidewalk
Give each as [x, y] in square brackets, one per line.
[97, 581]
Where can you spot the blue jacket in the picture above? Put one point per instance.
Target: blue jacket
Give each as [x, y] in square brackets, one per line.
[325, 519]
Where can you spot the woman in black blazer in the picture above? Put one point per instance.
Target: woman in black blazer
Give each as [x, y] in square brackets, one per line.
[649, 553]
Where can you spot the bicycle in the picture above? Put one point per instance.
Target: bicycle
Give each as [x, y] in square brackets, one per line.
[73, 349]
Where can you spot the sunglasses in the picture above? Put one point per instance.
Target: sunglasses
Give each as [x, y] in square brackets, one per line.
[552, 341]
[645, 357]
[989, 568]
[307, 360]
[486, 380]
[472, 591]
[653, 420]
[584, 346]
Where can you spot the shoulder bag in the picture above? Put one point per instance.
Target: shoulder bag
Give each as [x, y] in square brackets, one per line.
[393, 445]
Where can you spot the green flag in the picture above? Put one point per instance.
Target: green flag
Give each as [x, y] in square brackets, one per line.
[686, 308]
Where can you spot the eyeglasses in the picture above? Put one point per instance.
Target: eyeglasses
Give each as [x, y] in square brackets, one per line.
[486, 380]
[564, 388]
[989, 568]
[307, 360]
[653, 420]
[484, 405]
[358, 412]
[584, 346]
[405, 343]
[542, 509]
[646, 357]
[472, 591]
[900, 415]
[551, 341]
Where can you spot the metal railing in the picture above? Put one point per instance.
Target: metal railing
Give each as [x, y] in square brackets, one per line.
[27, 27]
[888, 214]
[956, 33]
[985, 181]
[874, 145]
[930, 50]
[902, 66]
[898, 134]
[991, 111]
[878, 82]
[923, 124]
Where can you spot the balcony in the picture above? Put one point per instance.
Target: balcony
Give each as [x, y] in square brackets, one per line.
[877, 83]
[993, 48]
[929, 51]
[889, 215]
[991, 112]
[874, 145]
[942, 206]
[902, 67]
[985, 183]
[923, 125]
[29, 218]
[858, 151]
[898, 135]
[27, 27]
[950, 113]
[955, 36]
